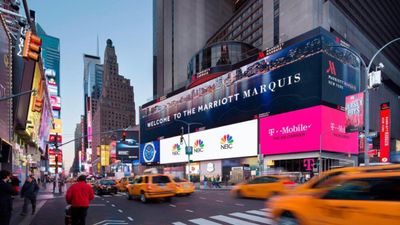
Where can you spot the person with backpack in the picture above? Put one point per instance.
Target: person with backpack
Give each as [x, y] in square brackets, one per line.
[29, 192]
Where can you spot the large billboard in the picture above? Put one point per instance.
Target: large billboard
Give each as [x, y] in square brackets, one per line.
[355, 112]
[312, 129]
[5, 83]
[384, 135]
[232, 141]
[127, 151]
[303, 75]
[150, 152]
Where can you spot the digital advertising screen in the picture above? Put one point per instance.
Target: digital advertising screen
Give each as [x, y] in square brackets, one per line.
[307, 130]
[150, 152]
[219, 143]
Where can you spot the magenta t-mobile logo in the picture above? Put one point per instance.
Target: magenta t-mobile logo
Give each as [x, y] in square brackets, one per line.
[308, 164]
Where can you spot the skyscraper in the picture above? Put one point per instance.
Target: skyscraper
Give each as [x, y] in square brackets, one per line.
[116, 105]
[181, 28]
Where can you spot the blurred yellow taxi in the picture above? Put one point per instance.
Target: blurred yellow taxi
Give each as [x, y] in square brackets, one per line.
[183, 187]
[263, 187]
[327, 178]
[359, 198]
[123, 183]
[152, 186]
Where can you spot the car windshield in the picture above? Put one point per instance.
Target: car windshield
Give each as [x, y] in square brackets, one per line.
[177, 179]
[107, 182]
[160, 179]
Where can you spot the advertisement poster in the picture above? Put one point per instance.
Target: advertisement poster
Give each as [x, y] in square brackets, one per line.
[355, 112]
[5, 84]
[105, 155]
[127, 150]
[302, 130]
[218, 143]
[35, 106]
[385, 133]
[300, 76]
[150, 152]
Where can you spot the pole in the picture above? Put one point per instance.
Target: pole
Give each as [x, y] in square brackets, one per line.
[320, 154]
[19, 94]
[189, 148]
[56, 169]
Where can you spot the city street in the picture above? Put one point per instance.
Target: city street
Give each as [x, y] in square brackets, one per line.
[202, 207]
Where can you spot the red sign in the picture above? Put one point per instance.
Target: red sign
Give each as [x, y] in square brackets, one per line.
[385, 132]
[355, 112]
[52, 138]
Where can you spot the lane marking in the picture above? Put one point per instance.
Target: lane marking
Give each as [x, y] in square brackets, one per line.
[252, 218]
[231, 220]
[219, 201]
[257, 212]
[112, 205]
[108, 201]
[119, 210]
[202, 198]
[179, 223]
[201, 221]
[266, 209]
[111, 222]
[187, 210]
[173, 206]
[130, 218]
[97, 204]
[238, 204]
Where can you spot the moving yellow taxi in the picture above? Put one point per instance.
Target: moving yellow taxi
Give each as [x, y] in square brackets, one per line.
[327, 178]
[183, 187]
[359, 198]
[152, 186]
[263, 187]
[123, 183]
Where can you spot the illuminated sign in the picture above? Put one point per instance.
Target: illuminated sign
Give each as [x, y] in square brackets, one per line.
[35, 106]
[55, 102]
[105, 155]
[57, 126]
[385, 132]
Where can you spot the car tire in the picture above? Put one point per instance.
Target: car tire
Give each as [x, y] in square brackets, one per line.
[168, 199]
[143, 198]
[287, 219]
[239, 194]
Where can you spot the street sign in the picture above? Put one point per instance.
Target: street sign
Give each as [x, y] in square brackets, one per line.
[189, 150]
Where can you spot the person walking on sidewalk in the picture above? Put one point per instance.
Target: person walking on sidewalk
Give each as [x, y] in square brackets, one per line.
[78, 196]
[29, 192]
[6, 191]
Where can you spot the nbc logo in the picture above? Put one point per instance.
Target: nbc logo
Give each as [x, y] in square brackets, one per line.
[176, 149]
[226, 142]
[198, 146]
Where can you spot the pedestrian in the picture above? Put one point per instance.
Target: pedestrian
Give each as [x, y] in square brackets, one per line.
[205, 181]
[217, 181]
[54, 185]
[78, 196]
[60, 184]
[213, 182]
[15, 183]
[29, 192]
[6, 191]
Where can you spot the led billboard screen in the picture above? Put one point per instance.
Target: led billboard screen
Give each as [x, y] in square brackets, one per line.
[127, 151]
[302, 130]
[303, 75]
[219, 143]
[150, 152]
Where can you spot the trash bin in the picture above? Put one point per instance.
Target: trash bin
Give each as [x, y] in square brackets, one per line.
[67, 217]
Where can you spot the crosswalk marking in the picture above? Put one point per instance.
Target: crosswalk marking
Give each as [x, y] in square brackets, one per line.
[266, 209]
[201, 221]
[231, 220]
[179, 223]
[251, 217]
[256, 212]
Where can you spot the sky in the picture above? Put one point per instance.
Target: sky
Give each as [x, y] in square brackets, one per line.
[77, 23]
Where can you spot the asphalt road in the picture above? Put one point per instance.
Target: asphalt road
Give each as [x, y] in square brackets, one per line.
[203, 207]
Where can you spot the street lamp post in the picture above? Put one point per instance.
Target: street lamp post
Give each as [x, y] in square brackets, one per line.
[188, 143]
[366, 93]
[19, 94]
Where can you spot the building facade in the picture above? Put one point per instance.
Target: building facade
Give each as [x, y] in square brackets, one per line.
[115, 107]
[284, 30]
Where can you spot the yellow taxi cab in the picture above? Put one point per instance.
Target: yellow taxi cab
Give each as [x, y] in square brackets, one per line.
[183, 187]
[124, 182]
[152, 186]
[263, 187]
[327, 178]
[360, 198]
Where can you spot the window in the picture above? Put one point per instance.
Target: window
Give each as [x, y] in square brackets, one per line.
[161, 180]
[372, 189]
[324, 182]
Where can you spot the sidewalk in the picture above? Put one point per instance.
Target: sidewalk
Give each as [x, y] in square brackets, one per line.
[42, 197]
[199, 186]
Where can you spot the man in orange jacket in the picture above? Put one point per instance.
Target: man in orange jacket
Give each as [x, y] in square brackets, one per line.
[78, 196]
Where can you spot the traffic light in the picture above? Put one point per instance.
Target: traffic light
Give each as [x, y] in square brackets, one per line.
[31, 46]
[123, 137]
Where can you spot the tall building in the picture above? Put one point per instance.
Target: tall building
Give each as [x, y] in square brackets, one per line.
[11, 20]
[77, 149]
[50, 52]
[116, 106]
[181, 28]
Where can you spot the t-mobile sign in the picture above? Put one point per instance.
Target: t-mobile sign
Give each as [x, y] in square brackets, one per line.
[306, 130]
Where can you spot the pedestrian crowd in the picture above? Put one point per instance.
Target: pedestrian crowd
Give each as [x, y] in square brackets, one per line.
[212, 182]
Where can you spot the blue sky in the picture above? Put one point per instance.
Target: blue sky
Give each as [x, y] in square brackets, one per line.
[128, 23]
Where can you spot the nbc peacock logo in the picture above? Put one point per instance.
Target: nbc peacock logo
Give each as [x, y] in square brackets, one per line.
[176, 149]
[198, 146]
[226, 142]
